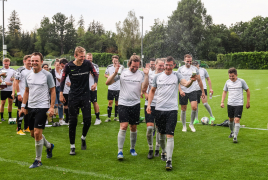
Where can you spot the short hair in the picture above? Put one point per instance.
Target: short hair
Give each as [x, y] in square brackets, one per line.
[44, 65]
[63, 61]
[159, 59]
[187, 56]
[195, 63]
[115, 56]
[89, 54]
[79, 49]
[26, 57]
[38, 54]
[169, 59]
[57, 60]
[6, 60]
[232, 70]
[134, 58]
[152, 59]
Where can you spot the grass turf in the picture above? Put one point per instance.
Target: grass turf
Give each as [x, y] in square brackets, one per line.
[206, 154]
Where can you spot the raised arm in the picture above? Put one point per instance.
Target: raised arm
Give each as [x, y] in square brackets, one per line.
[110, 79]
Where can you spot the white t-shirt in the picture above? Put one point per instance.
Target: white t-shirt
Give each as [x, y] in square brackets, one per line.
[39, 85]
[10, 73]
[203, 75]
[109, 71]
[235, 96]
[151, 79]
[130, 84]
[167, 94]
[91, 78]
[20, 75]
[58, 76]
[187, 74]
[66, 88]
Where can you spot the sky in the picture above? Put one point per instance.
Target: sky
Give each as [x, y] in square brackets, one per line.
[108, 12]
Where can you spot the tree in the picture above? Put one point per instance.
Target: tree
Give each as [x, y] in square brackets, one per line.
[14, 32]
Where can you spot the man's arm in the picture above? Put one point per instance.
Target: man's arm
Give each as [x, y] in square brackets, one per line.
[110, 79]
[17, 87]
[223, 98]
[52, 103]
[150, 99]
[210, 86]
[24, 101]
[248, 99]
[201, 86]
[106, 75]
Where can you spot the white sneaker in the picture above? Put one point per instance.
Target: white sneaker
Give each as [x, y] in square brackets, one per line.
[62, 123]
[184, 129]
[82, 122]
[97, 122]
[192, 128]
[47, 122]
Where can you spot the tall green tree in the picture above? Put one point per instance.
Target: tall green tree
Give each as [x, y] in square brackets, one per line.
[14, 29]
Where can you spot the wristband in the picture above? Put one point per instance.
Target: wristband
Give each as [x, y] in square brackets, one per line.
[18, 93]
[23, 105]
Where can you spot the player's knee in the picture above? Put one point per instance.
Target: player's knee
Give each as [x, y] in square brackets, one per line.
[194, 108]
[169, 136]
[231, 119]
[237, 120]
[150, 124]
[116, 103]
[133, 128]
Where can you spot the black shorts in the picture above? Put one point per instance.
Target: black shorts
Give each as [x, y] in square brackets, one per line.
[37, 118]
[84, 104]
[149, 117]
[166, 121]
[19, 104]
[66, 97]
[130, 114]
[192, 96]
[235, 111]
[199, 93]
[113, 95]
[93, 96]
[6, 94]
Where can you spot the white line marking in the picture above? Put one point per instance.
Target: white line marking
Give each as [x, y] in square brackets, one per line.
[62, 169]
[216, 95]
[257, 89]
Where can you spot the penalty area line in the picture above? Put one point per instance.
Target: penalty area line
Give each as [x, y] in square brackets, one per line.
[61, 169]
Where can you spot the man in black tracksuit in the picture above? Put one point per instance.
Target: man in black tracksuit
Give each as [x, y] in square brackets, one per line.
[78, 71]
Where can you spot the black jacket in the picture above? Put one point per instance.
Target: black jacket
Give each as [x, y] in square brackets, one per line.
[53, 72]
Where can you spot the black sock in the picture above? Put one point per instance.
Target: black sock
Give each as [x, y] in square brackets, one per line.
[26, 121]
[10, 114]
[2, 115]
[109, 111]
[67, 115]
[115, 111]
[97, 115]
[18, 121]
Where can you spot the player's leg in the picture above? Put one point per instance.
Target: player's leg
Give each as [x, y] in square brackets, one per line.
[208, 108]
[19, 120]
[73, 113]
[183, 102]
[93, 99]
[160, 123]
[10, 102]
[149, 133]
[193, 100]
[26, 120]
[3, 102]
[110, 105]
[231, 114]
[66, 109]
[199, 93]
[86, 112]
[157, 142]
[238, 115]
[134, 113]
[116, 96]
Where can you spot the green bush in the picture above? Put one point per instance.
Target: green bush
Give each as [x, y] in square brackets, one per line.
[102, 59]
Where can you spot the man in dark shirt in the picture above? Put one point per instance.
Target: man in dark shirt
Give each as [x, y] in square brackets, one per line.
[78, 71]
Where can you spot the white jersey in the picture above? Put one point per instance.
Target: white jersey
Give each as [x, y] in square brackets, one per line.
[39, 85]
[151, 79]
[66, 88]
[109, 71]
[167, 91]
[20, 75]
[10, 73]
[203, 75]
[91, 78]
[187, 74]
[235, 96]
[130, 84]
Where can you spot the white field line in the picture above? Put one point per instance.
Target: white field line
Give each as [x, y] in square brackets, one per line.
[64, 170]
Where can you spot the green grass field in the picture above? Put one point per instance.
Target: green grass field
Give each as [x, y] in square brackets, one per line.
[206, 154]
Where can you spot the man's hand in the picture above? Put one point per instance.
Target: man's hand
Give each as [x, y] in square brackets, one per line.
[68, 84]
[117, 66]
[20, 98]
[22, 111]
[203, 96]
[146, 96]
[12, 79]
[194, 78]
[211, 91]
[51, 111]
[182, 93]
[93, 87]
[141, 96]
[222, 105]
[62, 99]
[12, 95]
[248, 105]
[148, 110]
[146, 69]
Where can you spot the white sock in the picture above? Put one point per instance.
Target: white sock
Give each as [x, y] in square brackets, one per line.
[72, 146]
[133, 139]
[46, 143]
[38, 149]
[83, 137]
[236, 130]
[196, 114]
[163, 142]
[208, 109]
[183, 118]
[157, 139]
[170, 147]
[149, 135]
[192, 117]
[121, 139]
[231, 126]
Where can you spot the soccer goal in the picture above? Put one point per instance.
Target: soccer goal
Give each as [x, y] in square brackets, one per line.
[49, 62]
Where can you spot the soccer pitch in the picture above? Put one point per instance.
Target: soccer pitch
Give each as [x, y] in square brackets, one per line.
[206, 154]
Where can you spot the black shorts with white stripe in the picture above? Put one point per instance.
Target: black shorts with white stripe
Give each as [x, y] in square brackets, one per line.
[166, 121]
[37, 118]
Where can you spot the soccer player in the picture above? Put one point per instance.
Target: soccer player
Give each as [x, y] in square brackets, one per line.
[19, 84]
[113, 90]
[150, 118]
[166, 108]
[235, 103]
[78, 71]
[152, 65]
[189, 93]
[203, 75]
[38, 83]
[93, 94]
[6, 92]
[131, 82]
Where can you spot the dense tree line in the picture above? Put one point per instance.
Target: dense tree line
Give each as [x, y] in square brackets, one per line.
[189, 29]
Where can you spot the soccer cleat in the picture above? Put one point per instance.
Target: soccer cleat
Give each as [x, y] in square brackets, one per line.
[3, 119]
[231, 135]
[133, 152]
[36, 164]
[115, 119]
[156, 153]
[184, 129]
[164, 156]
[26, 130]
[20, 132]
[235, 140]
[120, 155]
[150, 154]
[168, 165]
[211, 120]
[108, 120]
[83, 145]
[49, 151]
[72, 152]
[192, 128]
[196, 121]
[97, 122]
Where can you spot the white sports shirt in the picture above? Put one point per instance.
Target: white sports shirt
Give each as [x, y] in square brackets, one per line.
[203, 75]
[151, 79]
[130, 84]
[10, 73]
[20, 75]
[187, 73]
[66, 88]
[109, 71]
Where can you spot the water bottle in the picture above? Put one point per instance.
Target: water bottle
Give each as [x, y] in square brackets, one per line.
[210, 95]
[120, 70]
